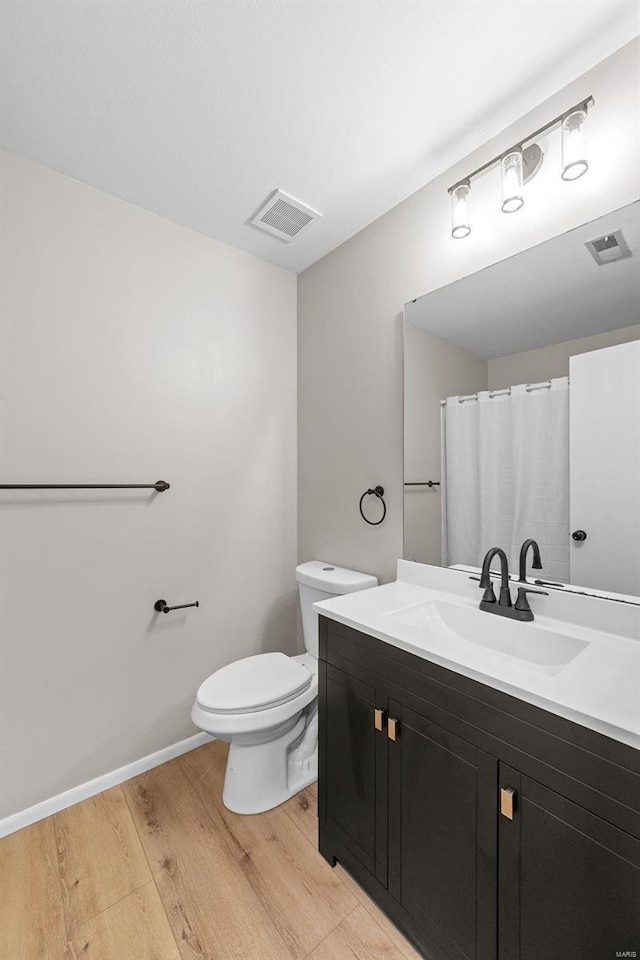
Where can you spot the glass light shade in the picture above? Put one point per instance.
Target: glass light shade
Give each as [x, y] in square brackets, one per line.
[512, 181]
[460, 226]
[574, 145]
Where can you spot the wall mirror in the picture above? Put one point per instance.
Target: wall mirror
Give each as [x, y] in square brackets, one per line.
[522, 412]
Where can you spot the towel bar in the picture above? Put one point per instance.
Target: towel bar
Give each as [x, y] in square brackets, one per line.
[159, 485]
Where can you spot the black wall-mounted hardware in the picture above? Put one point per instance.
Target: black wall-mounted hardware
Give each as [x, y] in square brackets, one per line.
[161, 606]
[374, 492]
[579, 535]
[160, 486]
[424, 483]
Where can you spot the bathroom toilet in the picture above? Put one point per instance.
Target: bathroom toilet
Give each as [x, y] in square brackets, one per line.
[265, 706]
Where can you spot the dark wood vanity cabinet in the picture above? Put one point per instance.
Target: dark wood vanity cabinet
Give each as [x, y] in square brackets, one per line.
[355, 784]
[444, 877]
[569, 881]
[486, 828]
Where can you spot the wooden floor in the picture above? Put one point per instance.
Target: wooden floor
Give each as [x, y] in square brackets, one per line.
[158, 869]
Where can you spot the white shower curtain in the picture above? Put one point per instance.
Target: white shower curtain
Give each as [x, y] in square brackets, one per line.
[505, 460]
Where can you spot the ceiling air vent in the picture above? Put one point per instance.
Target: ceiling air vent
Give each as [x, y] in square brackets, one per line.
[609, 248]
[284, 217]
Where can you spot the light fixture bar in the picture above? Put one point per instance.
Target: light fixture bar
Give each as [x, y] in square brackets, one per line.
[581, 105]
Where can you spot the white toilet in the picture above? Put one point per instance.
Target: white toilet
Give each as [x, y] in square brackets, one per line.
[266, 706]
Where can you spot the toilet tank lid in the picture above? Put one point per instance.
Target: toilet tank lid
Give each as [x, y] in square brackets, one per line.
[332, 579]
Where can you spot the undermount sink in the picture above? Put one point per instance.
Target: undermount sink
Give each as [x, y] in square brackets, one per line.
[528, 643]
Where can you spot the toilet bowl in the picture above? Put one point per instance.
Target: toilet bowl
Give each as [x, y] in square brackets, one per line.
[265, 706]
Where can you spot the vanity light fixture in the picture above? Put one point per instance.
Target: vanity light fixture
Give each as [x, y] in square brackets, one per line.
[512, 181]
[521, 163]
[574, 144]
[460, 226]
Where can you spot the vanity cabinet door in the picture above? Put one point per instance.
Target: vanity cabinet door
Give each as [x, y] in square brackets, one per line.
[569, 882]
[353, 767]
[442, 835]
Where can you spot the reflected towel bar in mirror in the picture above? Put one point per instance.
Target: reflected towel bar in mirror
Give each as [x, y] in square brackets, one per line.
[160, 486]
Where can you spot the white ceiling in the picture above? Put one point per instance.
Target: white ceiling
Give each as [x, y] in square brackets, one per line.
[197, 110]
[548, 294]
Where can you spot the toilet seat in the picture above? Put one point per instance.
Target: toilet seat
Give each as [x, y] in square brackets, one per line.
[255, 683]
[263, 717]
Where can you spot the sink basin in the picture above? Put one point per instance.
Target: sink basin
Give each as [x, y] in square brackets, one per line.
[531, 645]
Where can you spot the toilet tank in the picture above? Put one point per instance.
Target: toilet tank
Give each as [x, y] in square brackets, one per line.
[321, 581]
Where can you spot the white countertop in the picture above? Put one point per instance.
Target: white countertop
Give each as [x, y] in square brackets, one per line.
[599, 688]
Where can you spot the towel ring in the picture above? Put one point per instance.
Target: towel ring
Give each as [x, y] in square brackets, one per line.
[375, 492]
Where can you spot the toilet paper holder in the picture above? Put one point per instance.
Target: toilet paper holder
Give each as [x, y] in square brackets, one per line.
[161, 606]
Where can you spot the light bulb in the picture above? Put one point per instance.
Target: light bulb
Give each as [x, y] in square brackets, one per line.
[460, 227]
[574, 145]
[512, 181]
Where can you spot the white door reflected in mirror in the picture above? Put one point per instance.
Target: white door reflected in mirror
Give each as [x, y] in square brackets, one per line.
[605, 468]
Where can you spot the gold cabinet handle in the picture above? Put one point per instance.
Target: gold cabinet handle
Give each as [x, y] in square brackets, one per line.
[393, 728]
[378, 719]
[507, 802]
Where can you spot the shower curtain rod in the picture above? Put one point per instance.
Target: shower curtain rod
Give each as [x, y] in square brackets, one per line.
[529, 387]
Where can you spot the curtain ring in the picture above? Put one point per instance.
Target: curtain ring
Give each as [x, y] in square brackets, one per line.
[375, 492]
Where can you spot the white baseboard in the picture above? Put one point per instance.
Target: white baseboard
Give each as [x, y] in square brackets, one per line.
[89, 789]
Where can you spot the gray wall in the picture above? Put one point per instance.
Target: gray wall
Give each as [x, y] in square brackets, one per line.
[134, 350]
[433, 369]
[350, 308]
[533, 366]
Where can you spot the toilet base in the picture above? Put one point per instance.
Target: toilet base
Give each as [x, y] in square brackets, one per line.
[261, 776]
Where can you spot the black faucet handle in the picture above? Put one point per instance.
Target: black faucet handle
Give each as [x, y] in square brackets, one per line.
[522, 603]
[486, 584]
[488, 596]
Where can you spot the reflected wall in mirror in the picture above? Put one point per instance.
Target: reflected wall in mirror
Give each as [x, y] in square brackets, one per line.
[522, 411]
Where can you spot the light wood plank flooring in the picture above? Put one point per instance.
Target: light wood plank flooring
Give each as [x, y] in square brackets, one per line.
[158, 869]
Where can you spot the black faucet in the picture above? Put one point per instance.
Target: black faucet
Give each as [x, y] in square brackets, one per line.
[537, 563]
[489, 597]
[504, 607]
